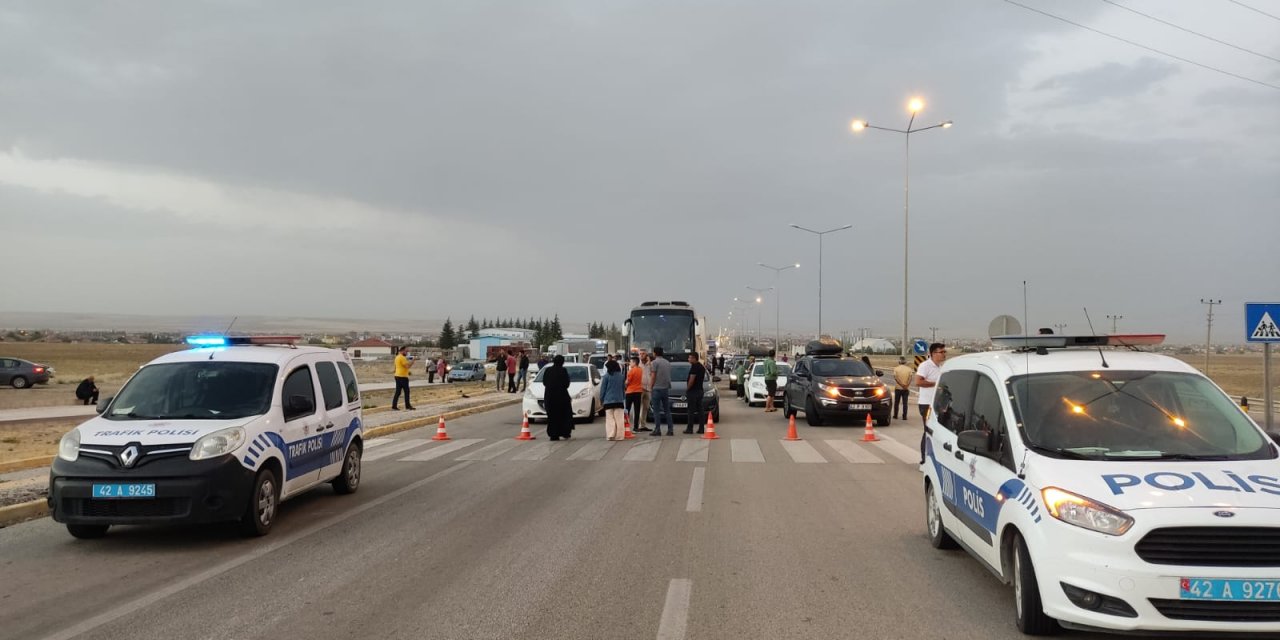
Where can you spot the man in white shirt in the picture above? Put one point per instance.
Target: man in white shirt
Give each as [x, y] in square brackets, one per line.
[927, 382]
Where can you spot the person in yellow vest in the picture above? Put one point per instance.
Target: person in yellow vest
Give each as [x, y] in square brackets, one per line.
[402, 380]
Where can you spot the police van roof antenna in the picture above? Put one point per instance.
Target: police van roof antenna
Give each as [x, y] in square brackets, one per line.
[1095, 334]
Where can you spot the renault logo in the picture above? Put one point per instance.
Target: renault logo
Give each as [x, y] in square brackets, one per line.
[129, 456]
[1224, 514]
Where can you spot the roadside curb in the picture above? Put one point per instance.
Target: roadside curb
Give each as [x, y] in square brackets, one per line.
[397, 427]
[16, 513]
[26, 463]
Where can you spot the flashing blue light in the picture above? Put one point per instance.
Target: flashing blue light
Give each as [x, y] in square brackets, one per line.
[207, 341]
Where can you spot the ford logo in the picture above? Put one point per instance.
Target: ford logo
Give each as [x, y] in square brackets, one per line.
[1224, 514]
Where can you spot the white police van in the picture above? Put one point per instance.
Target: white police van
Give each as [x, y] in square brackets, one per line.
[222, 431]
[1116, 490]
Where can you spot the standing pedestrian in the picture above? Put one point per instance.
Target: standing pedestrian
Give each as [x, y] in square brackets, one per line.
[635, 391]
[442, 369]
[646, 392]
[500, 368]
[927, 382]
[402, 380]
[693, 395]
[431, 370]
[870, 367]
[555, 382]
[510, 364]
[770, 381]
[612, 398]
[740, 375]
[661, 371]
[523, 373]
[542, 362]
[720, 363]
[902, 375]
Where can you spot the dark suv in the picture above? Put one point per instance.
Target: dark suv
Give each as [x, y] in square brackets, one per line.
[826, 384]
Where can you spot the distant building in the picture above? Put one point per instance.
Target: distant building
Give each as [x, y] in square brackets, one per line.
[873, 345]
[371, 348]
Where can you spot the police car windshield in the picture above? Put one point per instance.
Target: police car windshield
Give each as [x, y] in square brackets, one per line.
[1134, 415]
[196, 391]
[839, 367]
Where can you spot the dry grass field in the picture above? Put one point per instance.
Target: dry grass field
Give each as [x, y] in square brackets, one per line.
[19, 441]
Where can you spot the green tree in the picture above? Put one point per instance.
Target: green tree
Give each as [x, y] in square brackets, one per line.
[473, 328]
[554, 332]
[615, 335]
[447, 339]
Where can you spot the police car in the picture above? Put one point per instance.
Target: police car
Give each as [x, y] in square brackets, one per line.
[223, 431]
[1115, 489]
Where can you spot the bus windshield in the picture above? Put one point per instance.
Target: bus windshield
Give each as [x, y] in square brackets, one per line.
[674, 332]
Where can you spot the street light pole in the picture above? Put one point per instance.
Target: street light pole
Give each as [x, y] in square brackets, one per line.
[1114, 320]
[914, 106]
[1061, 328]
[777, 300]
[1208, 331]
[820, 234]
[759, 300]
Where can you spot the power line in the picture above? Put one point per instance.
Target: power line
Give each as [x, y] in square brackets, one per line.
[1254, 9]
[1143, 46]
[1195, 33]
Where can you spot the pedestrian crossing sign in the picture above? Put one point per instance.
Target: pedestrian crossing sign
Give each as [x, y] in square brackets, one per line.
[1260, 321]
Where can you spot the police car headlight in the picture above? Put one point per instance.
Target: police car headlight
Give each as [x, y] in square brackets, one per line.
[1083, 512]
[69, 447]
[218, 443]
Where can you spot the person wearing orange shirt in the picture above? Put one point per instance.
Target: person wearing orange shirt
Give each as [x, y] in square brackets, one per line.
[635, 391]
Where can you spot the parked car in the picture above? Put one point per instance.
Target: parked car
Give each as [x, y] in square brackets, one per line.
[21, 374]
[827, 384]
[584, 390]
[732, 366]
[468, 371]
[755, 384]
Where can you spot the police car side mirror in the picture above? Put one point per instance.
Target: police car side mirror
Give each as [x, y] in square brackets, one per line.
[106, 402]
[299, 405]
[974, 441]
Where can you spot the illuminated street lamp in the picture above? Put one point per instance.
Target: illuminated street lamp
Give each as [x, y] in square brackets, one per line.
[760, 299]
[915, 105]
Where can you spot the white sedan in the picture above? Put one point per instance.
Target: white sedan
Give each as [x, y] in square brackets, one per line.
[584, 390]
[755, 392]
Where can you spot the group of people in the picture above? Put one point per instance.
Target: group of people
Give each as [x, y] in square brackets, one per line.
[511, 371]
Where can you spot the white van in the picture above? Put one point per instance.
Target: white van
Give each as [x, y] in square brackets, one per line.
[1116, 490]
[223, 431]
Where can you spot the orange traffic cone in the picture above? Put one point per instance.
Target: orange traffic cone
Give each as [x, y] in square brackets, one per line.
[626, 427]
[525, 434]
[869, 433]
[711, 430]
[791, 429]
[440, 432]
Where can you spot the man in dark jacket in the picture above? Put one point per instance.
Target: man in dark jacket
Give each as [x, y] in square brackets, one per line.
[87, 391]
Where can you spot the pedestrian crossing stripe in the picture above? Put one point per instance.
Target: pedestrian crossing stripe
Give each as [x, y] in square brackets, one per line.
[1266, 328]
[745, 450]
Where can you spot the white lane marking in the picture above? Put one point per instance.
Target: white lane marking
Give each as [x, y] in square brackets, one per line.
[442, 450]
[909, 455]
[853, 452]
[693, 451]
[801, 451]
[393, 449]
[745, 450]
[538, 451]
[377, 442]
[594, 450]
[695, 489]
[491, 451]
[643, 451]
[675, 613]
[257, 552]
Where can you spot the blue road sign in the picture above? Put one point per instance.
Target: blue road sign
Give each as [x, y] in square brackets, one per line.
[1260, 321]
[921, 347]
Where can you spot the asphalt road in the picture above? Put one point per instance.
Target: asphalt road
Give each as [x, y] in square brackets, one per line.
[653, 538]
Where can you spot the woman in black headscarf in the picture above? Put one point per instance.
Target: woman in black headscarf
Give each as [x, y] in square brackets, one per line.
[555, 382]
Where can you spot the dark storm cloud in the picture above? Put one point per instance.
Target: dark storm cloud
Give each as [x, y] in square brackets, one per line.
[1111, 80]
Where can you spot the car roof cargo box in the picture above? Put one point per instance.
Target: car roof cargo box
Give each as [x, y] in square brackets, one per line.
[823, 347]
[757, 352]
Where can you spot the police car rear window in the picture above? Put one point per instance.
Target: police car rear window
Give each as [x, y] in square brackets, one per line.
[1134, 415]
[209, 390]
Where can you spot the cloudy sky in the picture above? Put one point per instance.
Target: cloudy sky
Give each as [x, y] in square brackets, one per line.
[423, 159]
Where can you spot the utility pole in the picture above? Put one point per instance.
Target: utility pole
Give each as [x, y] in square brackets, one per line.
[1062, 328]
[1208, 330]
[1114, 319]
[934, 332]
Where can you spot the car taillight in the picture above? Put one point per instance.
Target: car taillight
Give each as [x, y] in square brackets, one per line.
[39, 369]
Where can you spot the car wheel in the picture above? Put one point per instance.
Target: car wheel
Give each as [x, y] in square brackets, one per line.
[1031, 618]
[264, 501]
[882, 421]
[715, 413]
[19, 382]
[811, 414]
[88, 531]
[787, 409]
[349, 479]
[938, 536]
[591, 416]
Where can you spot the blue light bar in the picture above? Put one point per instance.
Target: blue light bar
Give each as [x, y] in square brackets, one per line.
[207, 341]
